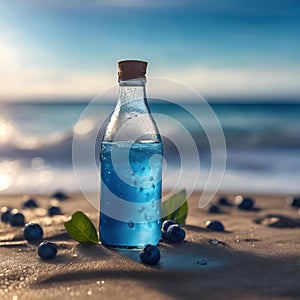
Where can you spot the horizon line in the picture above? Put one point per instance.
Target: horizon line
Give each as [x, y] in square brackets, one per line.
[255, 99]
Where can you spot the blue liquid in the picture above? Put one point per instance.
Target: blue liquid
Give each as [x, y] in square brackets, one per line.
[130, 205]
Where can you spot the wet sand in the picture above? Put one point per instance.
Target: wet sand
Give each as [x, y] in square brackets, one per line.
[250, 260]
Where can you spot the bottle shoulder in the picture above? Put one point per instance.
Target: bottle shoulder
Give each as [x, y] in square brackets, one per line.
[131, 125]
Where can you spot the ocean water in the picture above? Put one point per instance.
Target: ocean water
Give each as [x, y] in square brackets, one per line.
[263, 146]
[136, 181]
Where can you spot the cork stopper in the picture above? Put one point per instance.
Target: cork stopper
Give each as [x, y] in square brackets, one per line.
[132, 69]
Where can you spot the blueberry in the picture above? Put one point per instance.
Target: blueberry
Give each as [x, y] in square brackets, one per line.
[30, 203]
[47, 250]
[163, 235]
[5, 214]
[166, 224]
[214, 209]
[150, 255]
[33, 231]
[175, 233]
[59, 195]
[293, 201]
[224, 201]
[214, 225]
[244, 202]
[54, 210]
[16, 218]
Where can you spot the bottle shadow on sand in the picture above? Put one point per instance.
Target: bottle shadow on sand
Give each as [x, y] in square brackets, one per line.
[187, 270]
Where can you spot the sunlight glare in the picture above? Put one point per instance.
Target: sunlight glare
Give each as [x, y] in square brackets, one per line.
[84, 127]
[8, 171]
[5, 130]
[6, 181]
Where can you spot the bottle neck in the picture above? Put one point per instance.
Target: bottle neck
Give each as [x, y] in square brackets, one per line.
[131, 119]
[132, 91]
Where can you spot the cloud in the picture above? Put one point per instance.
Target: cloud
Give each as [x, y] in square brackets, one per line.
[18, 81]
[75, 4]
[238, 81]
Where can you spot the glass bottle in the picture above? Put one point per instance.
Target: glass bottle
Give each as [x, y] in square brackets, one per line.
[131, 166]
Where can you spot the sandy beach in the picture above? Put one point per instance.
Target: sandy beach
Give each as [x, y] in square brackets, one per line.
[250, 260]
[133, 99]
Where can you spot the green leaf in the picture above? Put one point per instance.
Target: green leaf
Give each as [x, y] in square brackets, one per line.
[81, 229]
[175, 208]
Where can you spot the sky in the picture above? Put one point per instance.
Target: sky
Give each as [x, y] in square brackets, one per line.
[221, 48]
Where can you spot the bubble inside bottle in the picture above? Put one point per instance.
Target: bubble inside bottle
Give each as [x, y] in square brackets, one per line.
[130, 224]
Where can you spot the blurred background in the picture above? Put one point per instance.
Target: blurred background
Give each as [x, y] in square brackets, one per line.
[242, 56]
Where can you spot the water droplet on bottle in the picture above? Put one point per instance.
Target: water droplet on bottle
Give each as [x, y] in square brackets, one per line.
[140, 210]
[141, 189]
[107, 203]
[130, 223]
[147, 217]
[153, 185]
[151, 178]
[153, 204]
[122, 195]
[108, 172]
[135, 183]
[132, 173]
